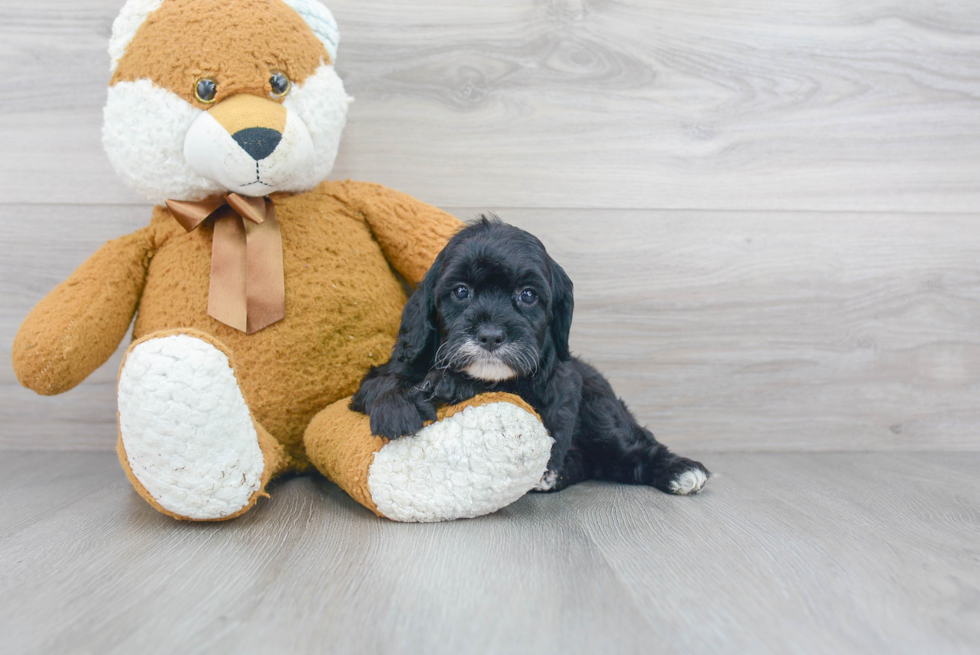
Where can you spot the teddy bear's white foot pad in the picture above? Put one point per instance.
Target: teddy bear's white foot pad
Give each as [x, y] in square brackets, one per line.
[467, 465]
[187, 432]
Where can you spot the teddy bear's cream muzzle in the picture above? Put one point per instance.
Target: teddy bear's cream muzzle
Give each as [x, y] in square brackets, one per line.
[249, 145]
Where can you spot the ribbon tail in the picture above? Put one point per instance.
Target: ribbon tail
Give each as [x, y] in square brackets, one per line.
[227, 294]
[265, 286]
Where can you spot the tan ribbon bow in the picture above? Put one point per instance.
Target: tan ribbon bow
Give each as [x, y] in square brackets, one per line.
[247, 289]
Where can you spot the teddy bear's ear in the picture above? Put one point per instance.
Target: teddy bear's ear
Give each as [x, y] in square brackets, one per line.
[321, 22]
[131, 16]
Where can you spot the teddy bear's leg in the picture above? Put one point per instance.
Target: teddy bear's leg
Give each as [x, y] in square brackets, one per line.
[479, 456]
[187, 440]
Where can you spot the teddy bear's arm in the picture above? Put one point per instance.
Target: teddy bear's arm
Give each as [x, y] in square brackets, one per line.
[411, 233]
[78, 326]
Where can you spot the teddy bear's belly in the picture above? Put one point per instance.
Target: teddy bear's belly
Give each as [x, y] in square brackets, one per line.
[343, 306]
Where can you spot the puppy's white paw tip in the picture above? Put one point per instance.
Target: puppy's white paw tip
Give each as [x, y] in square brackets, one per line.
[688, 482]
[548, 481]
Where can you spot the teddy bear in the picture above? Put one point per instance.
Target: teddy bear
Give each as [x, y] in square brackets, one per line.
[262, 291]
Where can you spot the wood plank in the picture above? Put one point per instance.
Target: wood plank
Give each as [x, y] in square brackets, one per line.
[33, 490]
[804, 554]
[769, 331]
[869, 105]
[722, 330]
[784, 553]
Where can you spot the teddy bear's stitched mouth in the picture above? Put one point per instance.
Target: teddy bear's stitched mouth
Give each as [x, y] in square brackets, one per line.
[258, 179]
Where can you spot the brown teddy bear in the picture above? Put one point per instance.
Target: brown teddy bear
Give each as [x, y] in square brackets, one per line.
[262, 293]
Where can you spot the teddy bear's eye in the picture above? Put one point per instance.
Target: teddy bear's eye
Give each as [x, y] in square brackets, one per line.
[279, 83]
[205, 89]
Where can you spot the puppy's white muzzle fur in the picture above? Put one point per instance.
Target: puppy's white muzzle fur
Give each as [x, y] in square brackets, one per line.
[483, 365]
[490, 370]
[214, 154]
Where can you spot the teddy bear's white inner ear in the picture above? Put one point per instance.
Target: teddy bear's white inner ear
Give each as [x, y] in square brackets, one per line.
[131, 16]
[321, 21]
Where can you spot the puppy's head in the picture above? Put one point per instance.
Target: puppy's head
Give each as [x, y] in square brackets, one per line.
[494, 305]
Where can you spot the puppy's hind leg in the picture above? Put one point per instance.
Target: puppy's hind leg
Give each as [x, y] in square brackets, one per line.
[636, 457]
[674, 474]
[621, 450]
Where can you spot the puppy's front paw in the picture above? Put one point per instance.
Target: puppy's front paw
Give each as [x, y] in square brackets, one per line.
[395, 416]
[681, 476]
[548, 481]
[425, 407]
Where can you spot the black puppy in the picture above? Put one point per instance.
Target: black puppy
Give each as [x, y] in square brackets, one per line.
[493, 313]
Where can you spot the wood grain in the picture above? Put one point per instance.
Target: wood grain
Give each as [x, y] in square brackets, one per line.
[784, 553]
[722, 330]
[866, 105]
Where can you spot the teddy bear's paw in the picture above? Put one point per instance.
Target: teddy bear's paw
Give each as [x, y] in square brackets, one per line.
[472, 463]
[188, 436]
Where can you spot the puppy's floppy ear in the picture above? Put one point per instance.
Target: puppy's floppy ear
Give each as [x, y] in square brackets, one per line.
[418, 335]
[562, 304]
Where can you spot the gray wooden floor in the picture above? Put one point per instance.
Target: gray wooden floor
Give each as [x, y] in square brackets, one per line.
[784, 553]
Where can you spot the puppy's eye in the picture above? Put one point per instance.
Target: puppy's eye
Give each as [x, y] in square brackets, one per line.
[279, 83]
[462, 292]
[528, 296]
[205, 90]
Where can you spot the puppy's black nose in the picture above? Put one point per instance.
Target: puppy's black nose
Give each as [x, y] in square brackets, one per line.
[490, 337]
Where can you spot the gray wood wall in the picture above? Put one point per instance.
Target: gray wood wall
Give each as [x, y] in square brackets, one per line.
[769, 208]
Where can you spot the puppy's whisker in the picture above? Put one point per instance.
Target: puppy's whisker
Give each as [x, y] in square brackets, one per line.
[440, 357]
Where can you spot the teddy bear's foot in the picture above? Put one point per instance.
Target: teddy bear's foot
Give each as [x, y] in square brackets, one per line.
[469, 464]
[187, 439]
[479, 456]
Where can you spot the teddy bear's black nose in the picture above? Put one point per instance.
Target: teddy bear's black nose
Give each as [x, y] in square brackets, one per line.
[258, 142]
